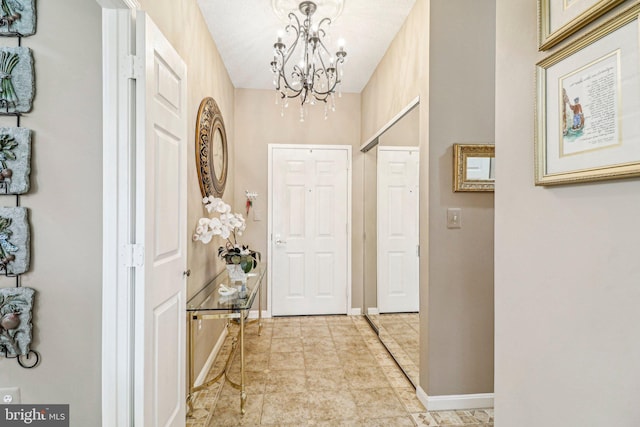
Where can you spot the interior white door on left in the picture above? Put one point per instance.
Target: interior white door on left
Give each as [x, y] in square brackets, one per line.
[161, 218]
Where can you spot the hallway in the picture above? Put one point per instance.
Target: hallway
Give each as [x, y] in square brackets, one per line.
[320, 371]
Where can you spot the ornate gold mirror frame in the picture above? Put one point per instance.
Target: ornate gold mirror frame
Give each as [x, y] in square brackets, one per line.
[212, 157]
[465, 155]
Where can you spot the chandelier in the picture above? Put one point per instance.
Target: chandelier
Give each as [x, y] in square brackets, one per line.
[305, 68]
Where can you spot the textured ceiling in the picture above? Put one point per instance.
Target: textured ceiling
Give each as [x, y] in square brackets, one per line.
[245, 30]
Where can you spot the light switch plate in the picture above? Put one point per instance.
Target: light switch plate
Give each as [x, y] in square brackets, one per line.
[454, 218]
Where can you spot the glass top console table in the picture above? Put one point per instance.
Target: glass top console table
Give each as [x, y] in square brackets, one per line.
[215, 302]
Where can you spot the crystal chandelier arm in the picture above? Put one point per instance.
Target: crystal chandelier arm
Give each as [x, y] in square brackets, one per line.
[321, 23]
[284, 59]
[322, 95]
[331, 74]
[290, 92]
[296, 29]
[325, 50]
[287, 55]
[319, 73]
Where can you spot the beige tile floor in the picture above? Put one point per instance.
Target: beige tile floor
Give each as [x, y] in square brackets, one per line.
[319, 371]
[399, 332]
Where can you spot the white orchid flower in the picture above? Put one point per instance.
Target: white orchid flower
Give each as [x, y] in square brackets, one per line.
[225, 232]
[206, 238]
[224, 208]
[226, 224]
[241, 223]
[228, 220]
[216, 226]
[217, 205]
[240, 218]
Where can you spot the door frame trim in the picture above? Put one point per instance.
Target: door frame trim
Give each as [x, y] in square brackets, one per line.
[348, 149]
[118, 29]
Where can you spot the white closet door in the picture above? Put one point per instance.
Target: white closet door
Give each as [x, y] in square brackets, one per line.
[397, 210]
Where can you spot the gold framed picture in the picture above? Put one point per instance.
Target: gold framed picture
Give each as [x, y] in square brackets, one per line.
[558, 19]
[474, 167]
[588, 106]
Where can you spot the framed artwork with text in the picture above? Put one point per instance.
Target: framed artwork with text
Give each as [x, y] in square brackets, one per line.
[558, 19]
[588, 106]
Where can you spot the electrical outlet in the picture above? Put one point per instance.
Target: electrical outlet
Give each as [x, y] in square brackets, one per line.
[10, 395]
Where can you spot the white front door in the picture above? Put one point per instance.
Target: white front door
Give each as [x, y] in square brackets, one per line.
[398, 169]
[160, 322]
[310, 224]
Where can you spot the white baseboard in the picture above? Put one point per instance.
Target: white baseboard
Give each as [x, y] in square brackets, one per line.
[212, 357]
[454, 401]
[357, 311]
[253, 314]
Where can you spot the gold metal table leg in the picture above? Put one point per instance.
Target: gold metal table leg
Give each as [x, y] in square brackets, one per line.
[191, 367]
[260, 311]
[243, 394]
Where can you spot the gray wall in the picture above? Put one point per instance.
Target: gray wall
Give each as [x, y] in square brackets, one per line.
[461, 106]
[567, 268]
[65, 205]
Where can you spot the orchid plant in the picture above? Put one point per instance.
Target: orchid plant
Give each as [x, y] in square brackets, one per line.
[229, 226]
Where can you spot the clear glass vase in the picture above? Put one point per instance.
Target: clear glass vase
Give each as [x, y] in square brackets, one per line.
[236, 273]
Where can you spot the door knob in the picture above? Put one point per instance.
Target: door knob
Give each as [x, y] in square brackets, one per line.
[280, 242]
[186, 273]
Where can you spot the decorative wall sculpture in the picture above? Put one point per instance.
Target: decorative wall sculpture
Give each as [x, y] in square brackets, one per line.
[15, 321]
[17, 18]
[17, 90]
[15, 160]
[17, 81]
[14, 240]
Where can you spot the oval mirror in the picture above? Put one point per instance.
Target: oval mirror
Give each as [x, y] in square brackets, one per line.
[211, 149]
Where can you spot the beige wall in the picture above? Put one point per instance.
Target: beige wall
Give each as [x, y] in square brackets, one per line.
[65, 204]
[185, 28]
[567, 270]
[401, 76]
[405, 132]
[461, 260]
[259, 123]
